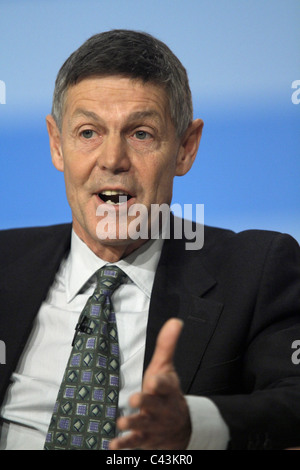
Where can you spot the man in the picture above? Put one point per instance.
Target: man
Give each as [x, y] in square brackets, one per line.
[205, 336]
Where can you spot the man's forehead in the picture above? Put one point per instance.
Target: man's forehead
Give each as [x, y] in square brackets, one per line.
[119, 84]
[147, 100]
[151, 114]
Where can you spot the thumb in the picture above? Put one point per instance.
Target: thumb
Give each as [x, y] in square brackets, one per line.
[162, 359]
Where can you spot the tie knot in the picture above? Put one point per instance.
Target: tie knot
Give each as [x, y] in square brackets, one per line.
[109, 279]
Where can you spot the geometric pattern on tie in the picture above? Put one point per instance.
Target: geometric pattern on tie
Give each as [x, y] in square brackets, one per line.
[84, 416]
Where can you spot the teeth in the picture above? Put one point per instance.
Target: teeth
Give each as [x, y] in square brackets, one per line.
[109, 201]
[108, 192]
[113, 203]
[123, 196]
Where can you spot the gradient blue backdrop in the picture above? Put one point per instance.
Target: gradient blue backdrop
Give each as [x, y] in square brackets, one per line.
[242, 57]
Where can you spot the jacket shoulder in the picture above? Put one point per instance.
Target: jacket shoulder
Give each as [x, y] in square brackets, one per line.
[248, 238]
[15, 241]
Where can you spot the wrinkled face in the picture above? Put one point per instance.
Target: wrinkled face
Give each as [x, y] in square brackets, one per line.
[117, 148]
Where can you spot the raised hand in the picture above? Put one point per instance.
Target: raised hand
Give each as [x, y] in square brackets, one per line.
[163, 420]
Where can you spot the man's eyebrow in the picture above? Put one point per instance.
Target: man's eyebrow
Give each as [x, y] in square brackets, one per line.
[140, 115]
[84, 112]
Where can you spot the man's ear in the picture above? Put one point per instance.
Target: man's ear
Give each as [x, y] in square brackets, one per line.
[55, 143]
[189, 147]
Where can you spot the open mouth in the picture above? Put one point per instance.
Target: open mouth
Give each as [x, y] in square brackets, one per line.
[114, 197]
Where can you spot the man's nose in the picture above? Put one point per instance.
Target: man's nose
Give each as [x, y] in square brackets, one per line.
[113, 155]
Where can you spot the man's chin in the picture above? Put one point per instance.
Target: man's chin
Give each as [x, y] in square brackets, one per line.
[117, 248]
[111, 243]
[121, 239]
[118, 241]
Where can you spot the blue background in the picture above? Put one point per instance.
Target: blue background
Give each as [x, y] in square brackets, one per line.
[242, 57]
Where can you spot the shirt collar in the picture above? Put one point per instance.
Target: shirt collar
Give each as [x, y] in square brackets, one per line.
[82, 263]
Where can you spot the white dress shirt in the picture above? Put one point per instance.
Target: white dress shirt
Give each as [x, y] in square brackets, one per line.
[29, 401]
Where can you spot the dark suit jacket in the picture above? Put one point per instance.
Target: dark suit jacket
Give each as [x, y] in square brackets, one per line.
[239, 298]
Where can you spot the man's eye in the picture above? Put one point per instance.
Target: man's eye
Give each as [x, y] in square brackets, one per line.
[142, 135]
[87, 133]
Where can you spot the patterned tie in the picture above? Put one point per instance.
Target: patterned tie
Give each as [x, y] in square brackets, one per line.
[84, 416]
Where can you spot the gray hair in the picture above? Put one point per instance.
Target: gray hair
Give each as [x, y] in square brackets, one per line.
[132, 54]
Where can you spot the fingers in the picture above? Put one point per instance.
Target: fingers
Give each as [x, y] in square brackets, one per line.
[130, 441]
[161, 423]
[137, 424]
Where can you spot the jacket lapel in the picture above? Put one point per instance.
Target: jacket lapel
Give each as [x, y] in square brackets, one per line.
[33, 273]
[180, 284]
